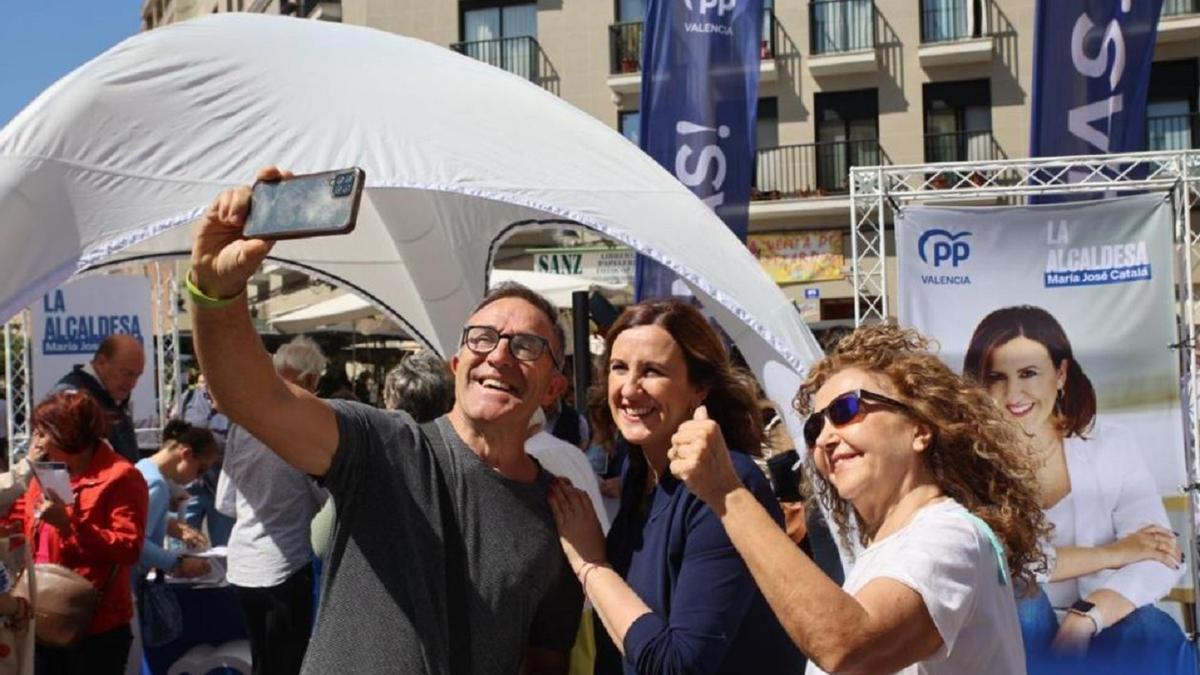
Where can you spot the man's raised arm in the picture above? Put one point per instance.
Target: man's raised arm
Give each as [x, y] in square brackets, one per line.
[298, 426]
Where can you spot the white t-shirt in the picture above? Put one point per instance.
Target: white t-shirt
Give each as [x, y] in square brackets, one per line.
[567, 461]
[945, 557]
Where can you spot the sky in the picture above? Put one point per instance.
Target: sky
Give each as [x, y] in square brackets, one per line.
[42, 40]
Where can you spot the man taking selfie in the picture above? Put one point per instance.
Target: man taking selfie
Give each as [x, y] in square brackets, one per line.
[445, 556]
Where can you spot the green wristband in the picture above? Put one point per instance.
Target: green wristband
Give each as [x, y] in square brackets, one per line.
[201, 299]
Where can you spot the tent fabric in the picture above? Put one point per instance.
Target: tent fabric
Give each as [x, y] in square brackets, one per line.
[112, 161]
[345, 306]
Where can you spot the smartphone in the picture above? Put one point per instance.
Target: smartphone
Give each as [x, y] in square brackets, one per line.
[312, 205]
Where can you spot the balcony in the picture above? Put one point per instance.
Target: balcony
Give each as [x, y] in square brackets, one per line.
[952, 33]
[320, 9]
[1172, 132]
[1180, 20]
[1178, 7]
[841, 37]
[521, 56]
[962, 146]
[811, 169]
[625, 53]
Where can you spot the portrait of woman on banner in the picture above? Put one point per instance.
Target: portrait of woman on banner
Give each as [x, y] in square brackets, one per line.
[1112, 552]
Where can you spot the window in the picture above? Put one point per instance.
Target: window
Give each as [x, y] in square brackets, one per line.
[841, 25]
[946, 20]
[766, 127]
[631, 10]
[498, 33]
[958, 121]
[847, 135]
[629, 124]
[498, 21]
[1171, 106]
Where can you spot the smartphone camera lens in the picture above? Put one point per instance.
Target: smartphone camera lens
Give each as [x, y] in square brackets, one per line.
[343, 184]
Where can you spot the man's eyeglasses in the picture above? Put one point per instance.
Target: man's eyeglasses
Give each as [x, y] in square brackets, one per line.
[523, 346]
[843, 410]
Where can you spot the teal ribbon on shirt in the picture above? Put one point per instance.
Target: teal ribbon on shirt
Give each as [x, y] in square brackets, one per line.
[997, 547]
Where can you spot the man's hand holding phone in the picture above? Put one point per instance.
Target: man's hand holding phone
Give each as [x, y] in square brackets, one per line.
[223, 261]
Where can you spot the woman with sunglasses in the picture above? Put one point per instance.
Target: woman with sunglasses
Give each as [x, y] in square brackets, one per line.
[1112, 549]
[936, 483]
[672, 594]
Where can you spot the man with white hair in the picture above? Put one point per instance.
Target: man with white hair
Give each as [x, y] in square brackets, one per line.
[270, 558]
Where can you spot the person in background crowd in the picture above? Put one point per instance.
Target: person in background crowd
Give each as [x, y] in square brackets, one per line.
[270, 559]
[566, 423]
[422, 386]
[940, 490]
[99, 536]
[110, 377]
[187, 451]
[672, 594]
[423, 576]
[1112, 549]
[197, 408]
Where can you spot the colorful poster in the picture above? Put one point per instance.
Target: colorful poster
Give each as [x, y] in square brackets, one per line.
[1066, 315]
[799, 256]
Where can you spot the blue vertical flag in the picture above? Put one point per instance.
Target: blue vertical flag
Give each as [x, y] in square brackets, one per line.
[1091, 75]
[700, 61]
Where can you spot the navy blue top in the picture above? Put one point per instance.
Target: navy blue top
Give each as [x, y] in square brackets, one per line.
[707, 614]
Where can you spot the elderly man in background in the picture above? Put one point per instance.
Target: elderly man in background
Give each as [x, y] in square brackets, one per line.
[110, 378]
[272, 503]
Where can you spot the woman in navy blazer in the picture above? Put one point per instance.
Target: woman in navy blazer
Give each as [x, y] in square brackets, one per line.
[671, 591]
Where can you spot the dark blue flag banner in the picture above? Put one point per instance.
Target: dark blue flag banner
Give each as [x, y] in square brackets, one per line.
[700, 62]
[1091, 75]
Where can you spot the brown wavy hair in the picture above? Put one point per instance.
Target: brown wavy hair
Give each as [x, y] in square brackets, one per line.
[731, 399]
[978, 457]
[1075, 410]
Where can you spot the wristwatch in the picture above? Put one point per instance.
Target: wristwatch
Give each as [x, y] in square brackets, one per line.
[1091, 611]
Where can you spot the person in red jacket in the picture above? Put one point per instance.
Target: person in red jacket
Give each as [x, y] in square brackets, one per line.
[99, 536]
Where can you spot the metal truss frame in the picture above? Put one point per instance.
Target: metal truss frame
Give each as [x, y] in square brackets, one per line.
[18, 382]
[878, 192]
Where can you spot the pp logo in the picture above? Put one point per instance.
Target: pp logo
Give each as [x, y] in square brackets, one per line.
[944, 246]
[721, 6]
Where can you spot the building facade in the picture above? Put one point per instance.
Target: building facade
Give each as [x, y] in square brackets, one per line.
[843, 83]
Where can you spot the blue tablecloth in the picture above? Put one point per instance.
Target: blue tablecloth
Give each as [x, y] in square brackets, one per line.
[211, 615]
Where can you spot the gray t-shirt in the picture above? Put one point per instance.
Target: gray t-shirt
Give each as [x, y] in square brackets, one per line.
[439, 564]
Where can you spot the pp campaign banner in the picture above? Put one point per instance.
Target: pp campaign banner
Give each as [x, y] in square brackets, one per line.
[1102, 270]
[700, 66]
[1091, 75]
[70, 322]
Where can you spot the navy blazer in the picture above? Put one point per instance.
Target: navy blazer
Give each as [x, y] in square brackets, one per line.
[707, 614]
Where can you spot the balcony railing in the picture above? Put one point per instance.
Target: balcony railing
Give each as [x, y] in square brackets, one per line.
[950, 20]
[1177, 7]
[625, 47]
[625, 43]
[962, 146]
[1172, 132]
[518, 55]
[812, 169]
[837, 26]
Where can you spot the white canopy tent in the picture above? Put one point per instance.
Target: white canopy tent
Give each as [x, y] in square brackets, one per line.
[112, 162]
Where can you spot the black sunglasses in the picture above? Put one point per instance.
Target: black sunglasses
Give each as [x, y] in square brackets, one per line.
[843, 410]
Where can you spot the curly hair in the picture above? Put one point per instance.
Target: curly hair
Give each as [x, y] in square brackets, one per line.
[978, 457]
[731, 401]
